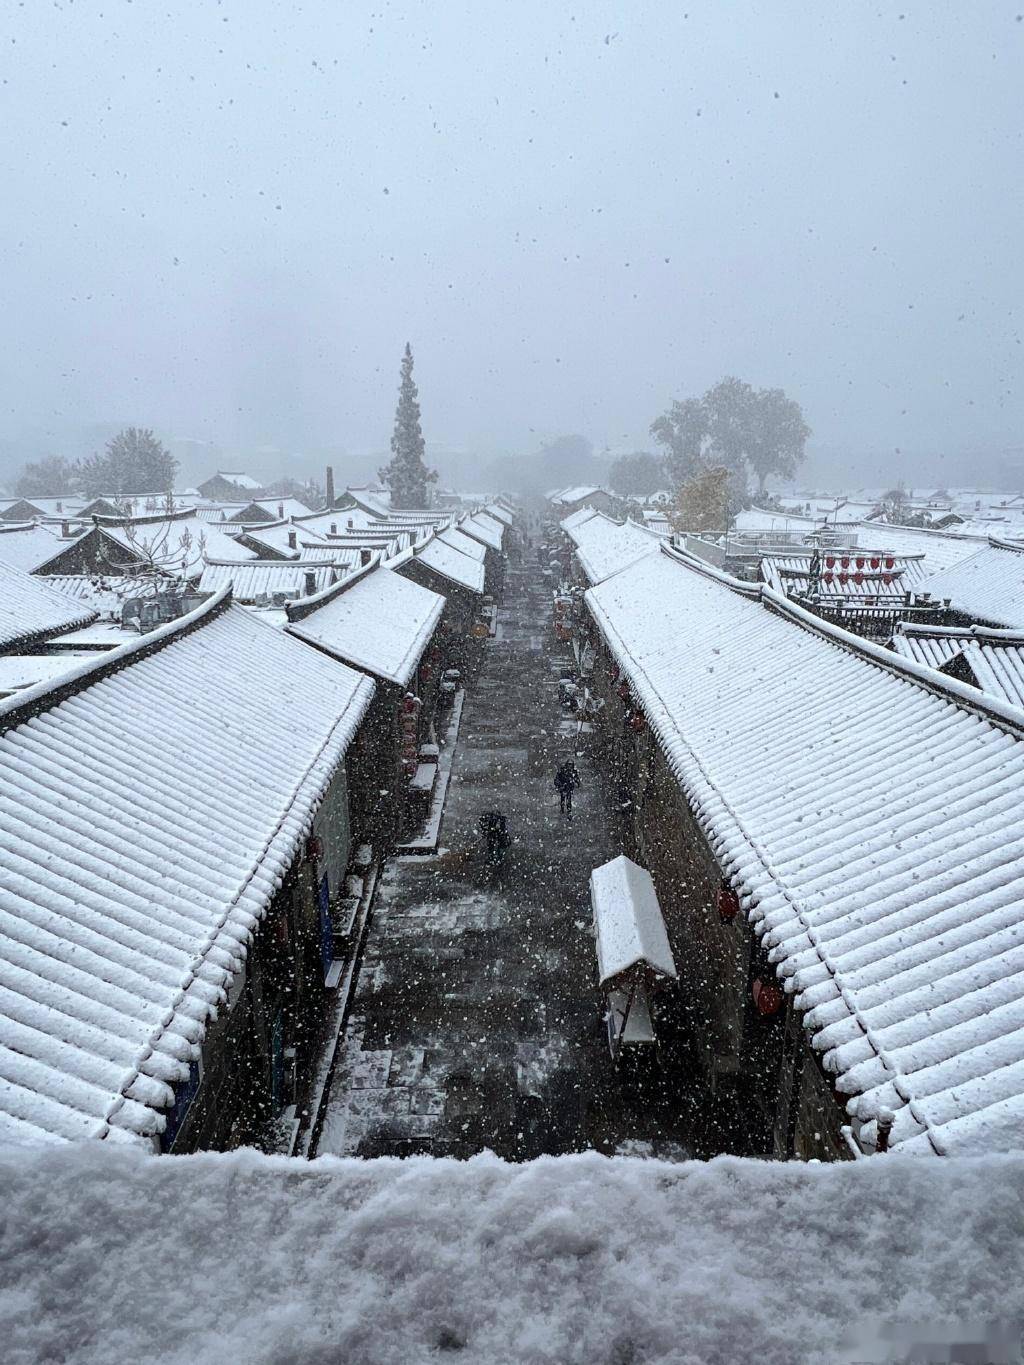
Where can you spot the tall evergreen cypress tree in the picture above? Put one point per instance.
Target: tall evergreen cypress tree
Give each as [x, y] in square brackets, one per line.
[407, 475]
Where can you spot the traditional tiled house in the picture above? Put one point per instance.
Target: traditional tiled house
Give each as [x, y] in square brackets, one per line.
[837, 840]
[457, 577]
[176, 832]
[385, 625]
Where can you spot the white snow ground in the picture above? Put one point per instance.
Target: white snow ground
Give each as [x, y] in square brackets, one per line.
[109, 1255]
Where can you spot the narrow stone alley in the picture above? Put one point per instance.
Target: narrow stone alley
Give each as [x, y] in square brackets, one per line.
[477, 1022]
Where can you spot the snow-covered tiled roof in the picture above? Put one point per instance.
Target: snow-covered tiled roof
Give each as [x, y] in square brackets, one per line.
[500, 513]
[568, 495]
[485, 528]
[31, 609]
[146, 835]
[187, 536]
[262, 578]
[868, 813]
[604, 546]
[577, 518]
[465, 544]
[376, 620]
[940, 548]
[627, 920]
[759, 519]
[452, 564]
[104, 593]
[28, 545]
[988, 586]
[995, 657]
[853, 575]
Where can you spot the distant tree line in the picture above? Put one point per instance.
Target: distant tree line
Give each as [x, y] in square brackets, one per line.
[134, 461]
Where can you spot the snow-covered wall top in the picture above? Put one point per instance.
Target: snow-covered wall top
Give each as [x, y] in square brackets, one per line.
[149, 818]
[872, 826]
[580, 1260]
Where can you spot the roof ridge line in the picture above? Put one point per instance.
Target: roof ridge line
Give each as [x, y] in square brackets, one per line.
[44, 696]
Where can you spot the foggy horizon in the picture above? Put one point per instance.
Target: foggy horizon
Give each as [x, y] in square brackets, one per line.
[224, 223]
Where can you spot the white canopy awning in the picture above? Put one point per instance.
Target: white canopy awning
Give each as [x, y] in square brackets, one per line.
[627, 921]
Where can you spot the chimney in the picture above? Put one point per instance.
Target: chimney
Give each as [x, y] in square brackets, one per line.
[280, 511]
[65, 529]
[292, 541]
[330, 486]
[60, 507]
[350, 523]
[334, 528]
[364, 555]
[310, 582]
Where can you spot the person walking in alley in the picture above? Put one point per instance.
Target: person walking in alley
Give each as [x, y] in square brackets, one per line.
[567, 780]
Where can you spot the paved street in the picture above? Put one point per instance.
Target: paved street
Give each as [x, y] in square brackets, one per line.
[477, 1021]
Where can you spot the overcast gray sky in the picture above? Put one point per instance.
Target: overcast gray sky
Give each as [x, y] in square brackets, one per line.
[225, 219]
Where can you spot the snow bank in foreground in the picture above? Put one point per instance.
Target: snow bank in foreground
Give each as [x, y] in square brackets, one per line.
[108, 1255]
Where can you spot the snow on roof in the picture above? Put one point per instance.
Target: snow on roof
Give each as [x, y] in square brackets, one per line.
[580, 1260]
[500, 513]
[485, 528]
[451, 563]
[577, 518]
[104, 593]
[165, 537]
[995, 657]
[759, 519]
[28, 670]
[238, 477]
[27, 546]
[790, 573]
[604, 546]
[264, 578]
[940, 548]
[871, 825]
[376, 620]
[466, 544]
[627, 920]
[568, 495]
[30, 609]
[147, 834]
[988, 586]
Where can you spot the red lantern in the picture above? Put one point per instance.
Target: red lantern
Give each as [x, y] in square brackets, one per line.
[410, 704]
[830, 561]
[637, 721]
[314, 848]
[845, 561]
[728, 903]
[767, 997]
[875, 561]
[858, 578]
[623, 691]
[826, 578]
[844, 578]
[887, 578]
[425, 672]
[889, 561]
[860, 561]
